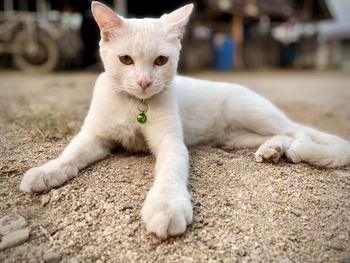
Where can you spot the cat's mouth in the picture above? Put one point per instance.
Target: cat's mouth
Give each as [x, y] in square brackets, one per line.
[146, 93]
[143, 94]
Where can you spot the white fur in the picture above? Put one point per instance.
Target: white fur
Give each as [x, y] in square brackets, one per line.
[181, 111]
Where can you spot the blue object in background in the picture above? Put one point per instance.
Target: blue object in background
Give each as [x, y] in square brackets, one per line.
[223, 52]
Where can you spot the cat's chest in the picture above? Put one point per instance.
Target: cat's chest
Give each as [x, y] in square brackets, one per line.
[125, 129]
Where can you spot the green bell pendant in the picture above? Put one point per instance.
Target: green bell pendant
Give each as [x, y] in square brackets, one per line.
[141, 118]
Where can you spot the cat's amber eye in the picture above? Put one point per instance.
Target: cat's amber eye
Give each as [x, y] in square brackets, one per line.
[161, 60]
[126, 60]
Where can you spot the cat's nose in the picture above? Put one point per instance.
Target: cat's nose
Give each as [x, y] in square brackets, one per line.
[144, 84]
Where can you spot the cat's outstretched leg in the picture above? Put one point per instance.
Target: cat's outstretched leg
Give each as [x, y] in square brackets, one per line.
[168, 209]
[82, 150]
[270, 148]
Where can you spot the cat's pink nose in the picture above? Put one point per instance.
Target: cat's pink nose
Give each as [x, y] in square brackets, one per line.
[144, 84]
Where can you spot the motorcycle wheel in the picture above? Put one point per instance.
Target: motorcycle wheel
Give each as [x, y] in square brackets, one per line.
[42, 61]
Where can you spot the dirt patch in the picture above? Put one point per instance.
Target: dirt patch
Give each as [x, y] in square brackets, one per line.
[243, 211]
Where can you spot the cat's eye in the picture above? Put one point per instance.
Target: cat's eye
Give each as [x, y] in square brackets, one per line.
[126, 60]
[161, 60]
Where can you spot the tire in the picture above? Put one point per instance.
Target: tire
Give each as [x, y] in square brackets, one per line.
[46, 58]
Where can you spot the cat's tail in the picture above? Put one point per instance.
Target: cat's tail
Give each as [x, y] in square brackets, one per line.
[318, 148]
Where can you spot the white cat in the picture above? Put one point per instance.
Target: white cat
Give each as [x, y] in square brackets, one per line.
[138, 103]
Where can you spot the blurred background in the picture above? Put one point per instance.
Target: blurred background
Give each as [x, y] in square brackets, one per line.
[42, 36]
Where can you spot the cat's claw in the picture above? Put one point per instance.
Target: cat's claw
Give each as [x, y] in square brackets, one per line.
[167, 214]
[43, 178]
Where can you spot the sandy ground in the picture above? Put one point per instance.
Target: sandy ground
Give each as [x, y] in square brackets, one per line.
[243, 211]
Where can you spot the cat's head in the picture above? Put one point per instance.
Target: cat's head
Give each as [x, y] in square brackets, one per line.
[140, 55]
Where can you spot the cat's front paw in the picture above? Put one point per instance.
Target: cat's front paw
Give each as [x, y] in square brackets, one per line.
[167, 214]
[46, 177]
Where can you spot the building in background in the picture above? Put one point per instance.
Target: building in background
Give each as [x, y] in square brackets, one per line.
[264, 33]
[334, 37]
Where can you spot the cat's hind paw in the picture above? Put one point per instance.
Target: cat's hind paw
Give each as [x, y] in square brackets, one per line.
[43, 179]
[167, 214]
[270, 154]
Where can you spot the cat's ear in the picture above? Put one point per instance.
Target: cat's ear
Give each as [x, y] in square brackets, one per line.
[107, 20]
[177, 20]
